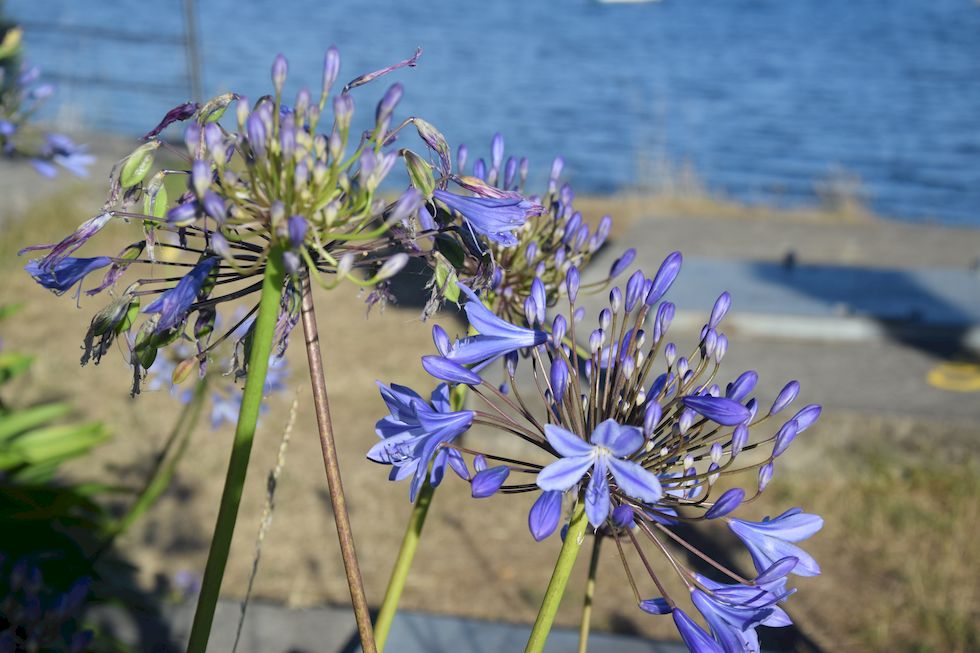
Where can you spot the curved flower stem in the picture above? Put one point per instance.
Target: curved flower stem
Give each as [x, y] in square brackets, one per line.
[332, 468]
[410, 543]
[248, 417]
[559, 579]
[163, 468]
[406, 554]
[583, 632]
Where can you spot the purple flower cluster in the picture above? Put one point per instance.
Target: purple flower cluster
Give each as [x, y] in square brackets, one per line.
[272, 184]
[21, 95]
[641, 451]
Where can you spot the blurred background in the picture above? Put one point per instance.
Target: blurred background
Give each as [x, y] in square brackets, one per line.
[819, 160]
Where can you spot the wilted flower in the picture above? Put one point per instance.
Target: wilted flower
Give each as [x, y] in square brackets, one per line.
[639, 452]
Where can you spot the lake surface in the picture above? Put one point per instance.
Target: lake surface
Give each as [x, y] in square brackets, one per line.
[765, 99]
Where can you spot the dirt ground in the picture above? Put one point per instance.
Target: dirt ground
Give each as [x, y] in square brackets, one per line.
[899, 496]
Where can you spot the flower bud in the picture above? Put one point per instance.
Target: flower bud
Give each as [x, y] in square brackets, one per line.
[331, 68]
[722, 304]
[280, 67]
[496, 151]
[726, 503]
[297, 227]
[740, 438]
[664, 278]
[572, 283]
[256, 132]
[388, 102]
[392, 266]
[558, 328]
[461, 154]
[785, 397]
[615, 300]
[651, 418]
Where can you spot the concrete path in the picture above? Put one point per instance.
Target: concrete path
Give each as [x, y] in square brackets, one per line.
[270, 628]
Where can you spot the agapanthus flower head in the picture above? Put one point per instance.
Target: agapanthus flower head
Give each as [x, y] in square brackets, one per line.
[641, 437]
[531, 237]
[276, 179]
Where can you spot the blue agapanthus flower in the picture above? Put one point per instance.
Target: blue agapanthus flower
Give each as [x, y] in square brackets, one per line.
[495, 337]
[416, 433]
[493, 217]
[65, 273]
[606, 453]
[640, 450]
[174, 304]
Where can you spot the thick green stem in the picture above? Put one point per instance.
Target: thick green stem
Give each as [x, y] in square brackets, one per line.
[406, 554]
[559, 579]
[258, 364]
[410, 542]
[583, 631]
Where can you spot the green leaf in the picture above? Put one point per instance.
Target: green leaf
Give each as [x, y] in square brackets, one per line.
[138, 164]
[59, 443]
[451, 249]
[20, 421]
[13, 364]
[6, 310]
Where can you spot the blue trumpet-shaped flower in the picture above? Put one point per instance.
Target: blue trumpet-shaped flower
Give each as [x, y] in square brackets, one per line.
[414, 433]
[174, 304]
[610, 444]
[770, 540]
[66, 272]
[495, 218]
[495, 338]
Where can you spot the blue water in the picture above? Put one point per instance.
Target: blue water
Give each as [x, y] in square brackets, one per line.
[765, 99]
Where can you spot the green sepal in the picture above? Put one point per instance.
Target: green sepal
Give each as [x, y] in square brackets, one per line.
[420, 173]
[214, 109]
[138, 164]
[155, 198]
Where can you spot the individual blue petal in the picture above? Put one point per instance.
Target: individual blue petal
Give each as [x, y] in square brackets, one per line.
[566, 443]
[495, 218]
[487, 323]
[777, 570]
[447, 370]
[487, 482]
[718, 409]
[793, 525]
[655, 606]
[545, 515]
[635, 481]
[766, 548]
[564, 473]
[696, 640]
[597, 493]
[174, 304]
[66, 272]
[726, 503]
[440, 398]
[458, 464]
[402, 401]
[730, 624]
